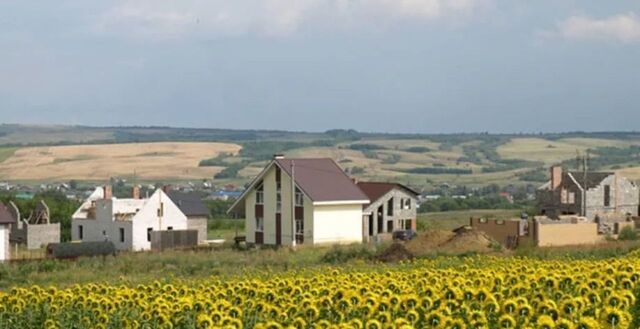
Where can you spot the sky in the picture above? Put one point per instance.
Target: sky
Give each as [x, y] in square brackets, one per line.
[412, 66]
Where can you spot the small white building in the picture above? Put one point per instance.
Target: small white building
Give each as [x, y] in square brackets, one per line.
[6, 220]
[128, 223]
[327, 207]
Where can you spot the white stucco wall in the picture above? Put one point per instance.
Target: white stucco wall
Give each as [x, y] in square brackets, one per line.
[4, 242]
[337, 224]
[92, 230]
[148, 218]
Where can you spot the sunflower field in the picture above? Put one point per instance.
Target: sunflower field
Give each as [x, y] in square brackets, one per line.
[446, 292]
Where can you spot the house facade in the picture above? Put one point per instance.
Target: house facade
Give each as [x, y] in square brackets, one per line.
[594, 195]
[392, 208]
[324, 205]
[128, 223]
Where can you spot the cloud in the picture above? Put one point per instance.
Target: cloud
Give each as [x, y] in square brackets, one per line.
[623, 28]
[270, 18]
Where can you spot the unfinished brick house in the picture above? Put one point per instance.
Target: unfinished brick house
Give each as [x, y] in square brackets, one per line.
[392, 208]
[602, 195]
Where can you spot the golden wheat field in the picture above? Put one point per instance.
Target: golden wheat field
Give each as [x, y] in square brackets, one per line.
[96, 162]
[446, 292]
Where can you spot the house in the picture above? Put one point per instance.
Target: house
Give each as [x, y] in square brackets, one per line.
[192, 206]
[593, 195]
[6, 220]
[392, 208]
[36, 231]
[128, 223]
[326, 204]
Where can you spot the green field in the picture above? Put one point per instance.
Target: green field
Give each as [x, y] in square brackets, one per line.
[419, 160]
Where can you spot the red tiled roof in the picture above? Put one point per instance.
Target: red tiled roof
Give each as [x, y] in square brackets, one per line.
[375, 190]
[322, 180]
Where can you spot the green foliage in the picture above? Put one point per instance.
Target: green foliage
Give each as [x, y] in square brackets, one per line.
[357, 170]
[418, 149]
[366, 147]
[473, 202]
[218, 161]
[535, 175]
[602, 157]
[84, 249]
[264, 150]
[231, 171]
[392, 159]
[438, 171]
[370, 154]
[218, 208]
[628, 234]
[340, 255]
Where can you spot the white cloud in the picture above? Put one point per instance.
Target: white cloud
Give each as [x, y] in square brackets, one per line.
[623, 28]
[273, 18]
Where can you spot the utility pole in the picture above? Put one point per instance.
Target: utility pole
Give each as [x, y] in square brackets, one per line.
[585, 168]
[293, 204]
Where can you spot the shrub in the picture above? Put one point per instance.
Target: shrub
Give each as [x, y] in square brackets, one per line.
[627, 234]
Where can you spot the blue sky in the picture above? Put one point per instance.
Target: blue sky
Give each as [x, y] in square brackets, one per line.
[427, 66]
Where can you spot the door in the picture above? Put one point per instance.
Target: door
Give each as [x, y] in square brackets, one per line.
[278, 229]
[370, 225]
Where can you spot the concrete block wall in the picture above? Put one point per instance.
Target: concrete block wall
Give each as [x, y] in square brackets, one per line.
[40, 235]
[200, 225]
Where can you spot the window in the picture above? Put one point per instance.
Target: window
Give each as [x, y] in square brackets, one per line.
[299, 226]
[390, 207]
[407, 224]
[407, 204]
[149, 230]
[170, 228]
[299, 198]
[572, 198]
[607, 195]
[260, 194]
[80, 232]
[259, 224]
[389, 226]
[564, 199]
[121, 234]
[278, 198]
[161, 210]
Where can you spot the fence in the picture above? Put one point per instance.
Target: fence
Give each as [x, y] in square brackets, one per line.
[177, 239]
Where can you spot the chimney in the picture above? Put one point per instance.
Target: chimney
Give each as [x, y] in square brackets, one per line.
[278, 156]
[166, 189]
[108, 192]
[556, 177]
[135, 192]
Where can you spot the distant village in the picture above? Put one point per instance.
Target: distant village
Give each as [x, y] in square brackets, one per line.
[309, 201]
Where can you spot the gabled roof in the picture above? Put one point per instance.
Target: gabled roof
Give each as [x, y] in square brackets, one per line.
[376, 190]
[593, 178]
[189, 203]
[322, 180]
[6, 217]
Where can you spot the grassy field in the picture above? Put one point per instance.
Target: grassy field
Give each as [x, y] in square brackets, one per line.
[6, 153]
[99, 162]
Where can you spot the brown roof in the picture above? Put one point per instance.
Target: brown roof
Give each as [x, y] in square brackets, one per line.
[375, 190]
[5, 215]
[322, 180]
[593, 178]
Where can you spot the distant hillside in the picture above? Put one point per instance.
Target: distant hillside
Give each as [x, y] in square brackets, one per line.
[415, 159]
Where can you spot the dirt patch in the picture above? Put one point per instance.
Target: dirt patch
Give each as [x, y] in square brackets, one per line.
[466, 240]
[395, 253]
[440, 241]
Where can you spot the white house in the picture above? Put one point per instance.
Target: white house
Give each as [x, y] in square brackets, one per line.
[126, 222]
[327, 205]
